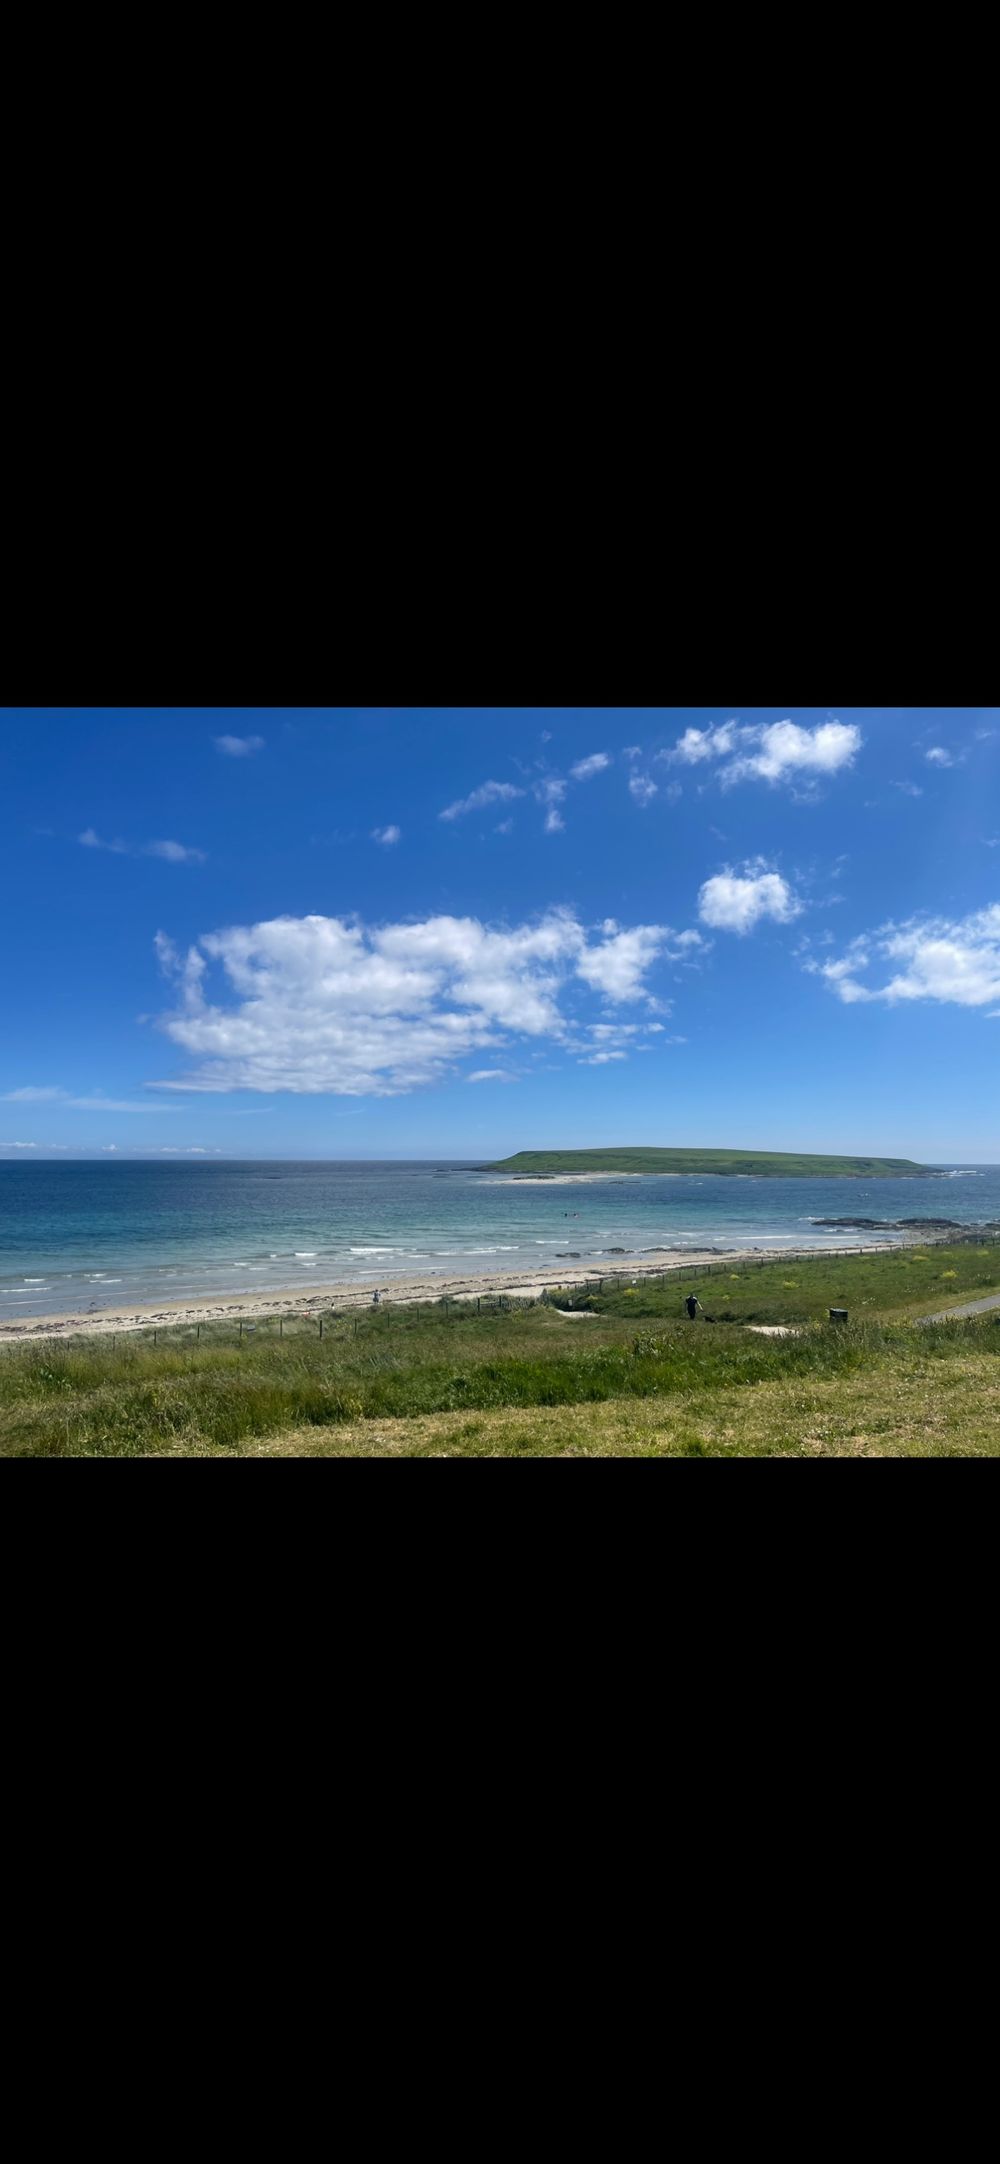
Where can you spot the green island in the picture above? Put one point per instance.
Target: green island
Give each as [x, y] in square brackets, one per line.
[776, 1164]
[616, 1372]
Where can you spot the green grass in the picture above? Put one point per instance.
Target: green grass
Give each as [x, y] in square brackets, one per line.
[773, 1163]
[525, 1372]
[906, 1281]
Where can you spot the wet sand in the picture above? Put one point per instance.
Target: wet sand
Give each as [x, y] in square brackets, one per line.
[334, 1299]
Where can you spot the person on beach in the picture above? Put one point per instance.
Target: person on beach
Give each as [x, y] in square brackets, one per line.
[375, 1297]
[692, 1303]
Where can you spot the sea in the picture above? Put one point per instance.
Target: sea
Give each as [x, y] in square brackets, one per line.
[78, 1237]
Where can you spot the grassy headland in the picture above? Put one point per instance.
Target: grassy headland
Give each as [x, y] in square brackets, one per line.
[784, 1164]
[635, 1378]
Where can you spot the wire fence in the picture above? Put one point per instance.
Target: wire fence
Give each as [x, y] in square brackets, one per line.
[387, 1315]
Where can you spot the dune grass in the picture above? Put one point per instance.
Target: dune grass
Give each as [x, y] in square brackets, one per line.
[905, 1281]
[927, 1409]
[447, 1364]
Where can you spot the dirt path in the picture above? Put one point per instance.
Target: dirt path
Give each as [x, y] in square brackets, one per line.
[969, 1307]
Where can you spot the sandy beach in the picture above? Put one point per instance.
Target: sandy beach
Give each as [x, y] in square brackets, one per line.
[332, 1299]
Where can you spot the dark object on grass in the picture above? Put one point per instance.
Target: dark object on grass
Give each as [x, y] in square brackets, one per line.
[837, 1314]
[692, 1303]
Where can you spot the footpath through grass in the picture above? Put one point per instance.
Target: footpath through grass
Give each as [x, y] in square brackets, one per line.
[637, 1377]
[907, 1281]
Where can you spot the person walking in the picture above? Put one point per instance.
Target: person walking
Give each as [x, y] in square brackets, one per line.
[375, 1297]
[692, 1303]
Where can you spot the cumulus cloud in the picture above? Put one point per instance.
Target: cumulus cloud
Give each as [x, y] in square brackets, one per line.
[778, 751]
[554, 821]
[736, 901]
[504, 826]
[586, 768]
[491, 1074]
[642, 789]
[938, 756]
[489, 792]
[320, 1004]
[600, 1059]
[238, 747]
[953, 961]
[618, 966]
[386, 835]
[908, 788]
[171, 852]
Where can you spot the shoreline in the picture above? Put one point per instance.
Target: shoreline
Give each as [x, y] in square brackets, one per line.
[341, 1298]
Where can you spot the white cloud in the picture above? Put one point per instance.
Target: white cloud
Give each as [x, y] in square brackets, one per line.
[89, 840]
[642, 789]
[506, 826]
[631, 751]
[908, 788]
[600, 1059]
[490, 1074]
[735, 902]
[109, 1146]
[489, 792]
[585, 769]
[18, 1145]
[171, 852]
[617, 967]
[319, 1004]
[774, 752]
[554, 821]
[51, 1095]
[938, 756]
[953, 961]
[239, 747]
[386, 835]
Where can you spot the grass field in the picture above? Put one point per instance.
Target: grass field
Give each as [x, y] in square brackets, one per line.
[636, 1379]
[773, 1163]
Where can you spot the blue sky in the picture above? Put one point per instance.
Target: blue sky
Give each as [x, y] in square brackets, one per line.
[369, 932]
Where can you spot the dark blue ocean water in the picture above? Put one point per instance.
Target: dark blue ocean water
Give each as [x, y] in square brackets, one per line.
[77, 1236]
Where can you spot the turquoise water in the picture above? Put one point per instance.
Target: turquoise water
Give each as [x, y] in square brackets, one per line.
[85, 1236]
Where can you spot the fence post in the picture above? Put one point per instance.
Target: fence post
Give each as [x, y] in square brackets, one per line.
[321, 1326]
[281, 1326]
[241, 1329]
